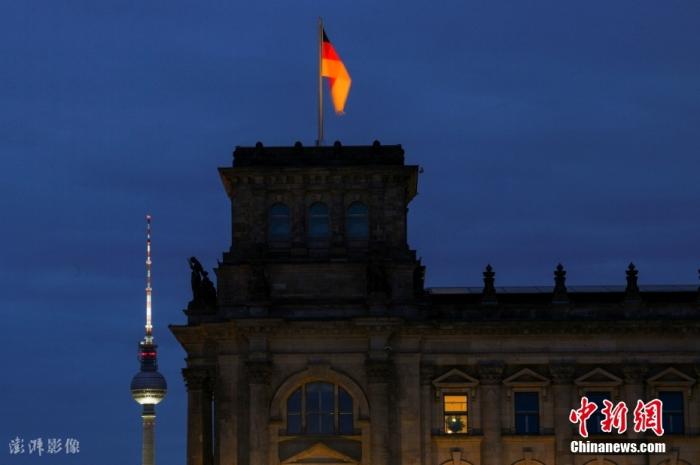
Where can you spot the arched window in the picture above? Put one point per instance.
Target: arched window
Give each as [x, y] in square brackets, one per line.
[356, 221]
[320, 408]
[278, 222]
[319, 223]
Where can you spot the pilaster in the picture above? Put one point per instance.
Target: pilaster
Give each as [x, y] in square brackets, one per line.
[562, 373]
[199, 400]
[379, 374]
[490, 377]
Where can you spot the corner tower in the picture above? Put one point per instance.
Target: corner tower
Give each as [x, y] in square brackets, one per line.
[313, 226]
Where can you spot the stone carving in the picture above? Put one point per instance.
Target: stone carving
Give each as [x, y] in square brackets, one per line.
[203, 290]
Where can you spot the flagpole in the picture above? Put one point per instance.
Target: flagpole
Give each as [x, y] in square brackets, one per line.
[319, 141]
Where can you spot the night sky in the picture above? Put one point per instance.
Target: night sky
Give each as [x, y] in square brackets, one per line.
[548, 131]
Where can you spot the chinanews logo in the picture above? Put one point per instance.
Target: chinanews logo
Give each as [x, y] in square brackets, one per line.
[647, 416]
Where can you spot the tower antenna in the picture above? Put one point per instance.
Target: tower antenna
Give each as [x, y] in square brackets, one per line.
[149, 325]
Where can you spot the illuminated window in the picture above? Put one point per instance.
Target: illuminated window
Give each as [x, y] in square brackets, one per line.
[356, 221]
[320, 408]
[455, 413]
[673, 415]
[593, 423]
[278, 222]
[527, 412]
[319, 223]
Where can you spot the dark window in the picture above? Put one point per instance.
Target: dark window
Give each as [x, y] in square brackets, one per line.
[294, 413]
[593, 423]
[527, 412]
[278, 222]
[345, 423]
[319, 223]
[356, 222]
[320, 408]
[673, 417]
[455, 413]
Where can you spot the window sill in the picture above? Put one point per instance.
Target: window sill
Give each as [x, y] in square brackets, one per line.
[283, 434]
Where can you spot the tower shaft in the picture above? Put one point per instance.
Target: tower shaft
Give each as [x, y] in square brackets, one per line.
[148, 451]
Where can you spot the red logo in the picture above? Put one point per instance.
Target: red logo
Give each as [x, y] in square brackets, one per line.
[646, 416]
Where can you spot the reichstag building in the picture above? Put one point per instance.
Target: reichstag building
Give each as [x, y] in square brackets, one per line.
[315, 340]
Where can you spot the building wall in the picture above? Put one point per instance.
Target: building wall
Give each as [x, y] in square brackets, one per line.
[397, 381]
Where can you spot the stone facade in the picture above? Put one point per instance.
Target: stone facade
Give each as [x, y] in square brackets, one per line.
[324, 347]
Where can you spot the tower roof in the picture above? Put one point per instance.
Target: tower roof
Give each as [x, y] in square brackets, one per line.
[333, 155]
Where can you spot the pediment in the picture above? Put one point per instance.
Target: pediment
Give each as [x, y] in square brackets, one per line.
[671, 377]
[320, 453]
[598, 378]
[455, 379]
[526, 377]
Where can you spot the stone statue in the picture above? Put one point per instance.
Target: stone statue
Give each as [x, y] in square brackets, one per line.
[203, 290]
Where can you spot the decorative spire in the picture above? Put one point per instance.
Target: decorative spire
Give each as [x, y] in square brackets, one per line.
[560, 293]
[489, 293]
[632, 290]
[149, 325]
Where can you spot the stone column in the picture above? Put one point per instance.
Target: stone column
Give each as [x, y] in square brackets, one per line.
[490, 377]
[226, 411]
[259, 373]
[199, 445]
[634, 374]
[379, 373]
[562, 374]
[409, 402]
[427, 373]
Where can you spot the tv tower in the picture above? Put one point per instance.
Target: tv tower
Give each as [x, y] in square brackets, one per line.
[148, 387]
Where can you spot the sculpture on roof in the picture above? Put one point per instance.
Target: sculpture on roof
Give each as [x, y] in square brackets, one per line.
[203, 290]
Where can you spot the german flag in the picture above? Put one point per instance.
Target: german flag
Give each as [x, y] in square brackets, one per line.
[333, 68]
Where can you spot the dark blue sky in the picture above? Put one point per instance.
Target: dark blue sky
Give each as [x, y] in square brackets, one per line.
[549, 131]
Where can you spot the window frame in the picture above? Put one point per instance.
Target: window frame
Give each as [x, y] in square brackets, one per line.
[672, 379]
[527, 380]
[311, 216]
[336, 411]
[538, 393]
[465, 413]
[684, 404]
[271, 237]
[349, 217]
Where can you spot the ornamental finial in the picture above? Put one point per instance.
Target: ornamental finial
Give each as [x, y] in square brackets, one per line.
[489, 292]
[560, 293]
